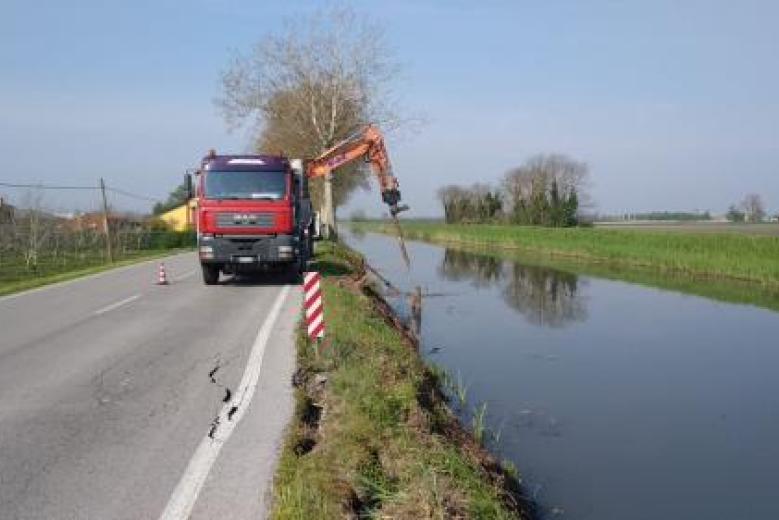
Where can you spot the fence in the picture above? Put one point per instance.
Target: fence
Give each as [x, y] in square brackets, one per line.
[35, 242]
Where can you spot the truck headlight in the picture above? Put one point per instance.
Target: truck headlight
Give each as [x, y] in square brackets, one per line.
[206, 252]
[285, 251]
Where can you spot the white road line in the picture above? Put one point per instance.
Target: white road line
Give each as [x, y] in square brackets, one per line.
[184, 496]
[118, 304]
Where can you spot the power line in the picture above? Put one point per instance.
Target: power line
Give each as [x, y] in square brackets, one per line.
[47, 186]
[60, 187]
[131, 195]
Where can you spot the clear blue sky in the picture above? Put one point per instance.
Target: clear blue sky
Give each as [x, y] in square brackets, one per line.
[673, 104]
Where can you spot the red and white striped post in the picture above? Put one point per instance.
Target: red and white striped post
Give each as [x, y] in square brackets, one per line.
[315, 318]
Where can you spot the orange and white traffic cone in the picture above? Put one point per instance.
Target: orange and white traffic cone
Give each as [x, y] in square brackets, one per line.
[163, 278]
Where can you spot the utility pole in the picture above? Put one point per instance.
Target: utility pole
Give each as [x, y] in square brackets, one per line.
[108, 250]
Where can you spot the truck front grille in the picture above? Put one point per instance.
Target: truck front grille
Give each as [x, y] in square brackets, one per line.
[237, 220]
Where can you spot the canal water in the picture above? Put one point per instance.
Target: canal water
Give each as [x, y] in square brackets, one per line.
[615, 400]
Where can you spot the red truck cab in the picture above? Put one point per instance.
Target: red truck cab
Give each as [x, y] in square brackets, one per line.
[253, 214]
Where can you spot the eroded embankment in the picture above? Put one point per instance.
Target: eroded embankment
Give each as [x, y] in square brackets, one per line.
[372, 434]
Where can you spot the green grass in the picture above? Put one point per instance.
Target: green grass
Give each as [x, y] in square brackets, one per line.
[711, 255]
[14, 277]
[383, 445]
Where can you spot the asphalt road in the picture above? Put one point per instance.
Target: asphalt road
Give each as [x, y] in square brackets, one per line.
[122, 399]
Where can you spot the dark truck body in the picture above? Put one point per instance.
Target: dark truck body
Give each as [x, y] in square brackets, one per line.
[254, 213]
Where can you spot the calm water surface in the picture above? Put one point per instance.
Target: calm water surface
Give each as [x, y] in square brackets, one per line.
[616, 401]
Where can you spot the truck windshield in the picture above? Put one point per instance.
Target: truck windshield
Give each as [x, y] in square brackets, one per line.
[245, 185]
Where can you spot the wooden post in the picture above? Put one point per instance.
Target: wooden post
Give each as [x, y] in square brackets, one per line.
[107, 228]
[416, 314]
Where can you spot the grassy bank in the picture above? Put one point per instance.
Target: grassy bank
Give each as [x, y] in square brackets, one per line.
[372, 437]
[726, 255]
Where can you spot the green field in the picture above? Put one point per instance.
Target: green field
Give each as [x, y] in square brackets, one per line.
[372, 437]
[731, 255]
[19, 270]
[766, 229]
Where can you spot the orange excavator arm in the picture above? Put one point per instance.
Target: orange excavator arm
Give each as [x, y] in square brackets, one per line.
[368, 143]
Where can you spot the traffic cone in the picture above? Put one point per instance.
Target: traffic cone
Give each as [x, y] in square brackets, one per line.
[163, 278]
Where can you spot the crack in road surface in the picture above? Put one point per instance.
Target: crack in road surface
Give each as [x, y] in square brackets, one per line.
[231, 413]
[214, 426]
[182, 501]
[226, 399]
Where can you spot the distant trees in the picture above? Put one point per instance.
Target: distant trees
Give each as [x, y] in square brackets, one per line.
[681, 216]
[751, 209]
[734, 214]
[754, 211]
[476, 204]
[176, 198]
[672, 215]
[545, 191]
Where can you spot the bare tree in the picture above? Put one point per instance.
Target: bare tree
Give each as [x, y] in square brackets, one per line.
[281, 134]
[754, 210]
[310, 86]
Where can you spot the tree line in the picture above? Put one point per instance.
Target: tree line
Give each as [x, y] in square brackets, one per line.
[751, 210]
[547, 190]
[176, 198]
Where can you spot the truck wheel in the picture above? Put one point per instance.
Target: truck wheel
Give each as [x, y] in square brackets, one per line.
[210, 274]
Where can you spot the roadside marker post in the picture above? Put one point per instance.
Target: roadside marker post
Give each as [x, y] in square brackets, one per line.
[162, 278]
[312, 303]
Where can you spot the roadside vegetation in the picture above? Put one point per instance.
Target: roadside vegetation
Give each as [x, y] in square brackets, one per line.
[36, 251]
[750, 258]
[372, 436]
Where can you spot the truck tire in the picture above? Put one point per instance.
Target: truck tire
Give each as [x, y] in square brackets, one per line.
[295, 272]
[210, 274]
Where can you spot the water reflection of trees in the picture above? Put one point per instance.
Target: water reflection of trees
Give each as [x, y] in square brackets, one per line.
[544, 296]
[480, 270]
